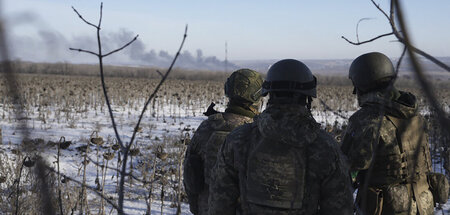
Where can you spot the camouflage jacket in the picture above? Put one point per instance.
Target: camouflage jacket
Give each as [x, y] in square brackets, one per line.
[373, 135]
[282, 163]
[201, 154]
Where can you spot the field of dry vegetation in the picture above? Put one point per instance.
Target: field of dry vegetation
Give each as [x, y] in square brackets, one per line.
[69, 102]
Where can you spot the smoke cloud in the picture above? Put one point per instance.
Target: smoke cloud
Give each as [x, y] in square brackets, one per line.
[48, 45]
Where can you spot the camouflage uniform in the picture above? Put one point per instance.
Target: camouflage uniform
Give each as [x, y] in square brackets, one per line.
[243, 88]
[401, 160]
[212, 131]
[282, 163]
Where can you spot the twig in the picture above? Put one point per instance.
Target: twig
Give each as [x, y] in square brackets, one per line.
[329, 109]
[397, 68]
[443, 118]
[84, 186]
[100, 59]
[357, 27]
[85, 51]
[162, 76]
[126, 150]
[367, 41]
[81, 17]
[382, 11]
[399, 36]
[124, 46]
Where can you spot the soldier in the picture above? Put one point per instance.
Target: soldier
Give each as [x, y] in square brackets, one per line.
[243, 88]
[385, 142]
[282, 163]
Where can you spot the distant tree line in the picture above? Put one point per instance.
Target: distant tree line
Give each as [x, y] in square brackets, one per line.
[65, 68]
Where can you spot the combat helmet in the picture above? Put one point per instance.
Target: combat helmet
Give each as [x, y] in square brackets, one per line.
[244, 85]
[371, 71]
[290, 75]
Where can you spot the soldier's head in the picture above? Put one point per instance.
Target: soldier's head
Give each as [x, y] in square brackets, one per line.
[371, 72]
[243, 88]
[290, 81]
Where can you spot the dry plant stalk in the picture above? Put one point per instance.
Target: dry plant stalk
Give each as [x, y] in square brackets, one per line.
[124, 148]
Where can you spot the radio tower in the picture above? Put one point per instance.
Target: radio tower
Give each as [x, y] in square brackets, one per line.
[226, 56]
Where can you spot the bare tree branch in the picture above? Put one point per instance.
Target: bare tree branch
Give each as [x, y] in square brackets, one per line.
[400, 60]
[81, 17]
[85, 51]
[85, 186]
[126, 150]
[162, 76]
[329, 109]
[399, 36]
[357, 27]
[367, 41]
[101, 15]
[124, 46]
[443, 118]
[381, 10]
[431, 58]
[115, 169]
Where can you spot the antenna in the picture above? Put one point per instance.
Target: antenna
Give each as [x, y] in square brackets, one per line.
[226, 56]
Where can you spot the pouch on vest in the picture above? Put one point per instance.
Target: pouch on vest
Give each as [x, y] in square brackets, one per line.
[398, 198]
[276, 175]
[213, 145]
[439, 187]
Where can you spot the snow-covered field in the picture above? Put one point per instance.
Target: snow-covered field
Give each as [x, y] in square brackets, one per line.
[78, 127]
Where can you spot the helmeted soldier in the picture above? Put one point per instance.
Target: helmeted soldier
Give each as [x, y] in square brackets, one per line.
[243, 88]
[386, 143]
[282, 163]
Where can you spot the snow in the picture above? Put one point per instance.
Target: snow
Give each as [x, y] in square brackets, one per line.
[163, 127]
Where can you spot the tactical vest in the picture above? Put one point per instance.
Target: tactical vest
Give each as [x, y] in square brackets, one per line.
[276, 174]
[411, 162]
[221, 129]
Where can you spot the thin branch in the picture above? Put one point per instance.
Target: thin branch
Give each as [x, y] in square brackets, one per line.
[399, 36]
[331, 110]
[101, 15]
[159, 85]
[162, 76]
[381, 10]
[443, 118]
[116, 169]
[397, 68]
[81, 17]
[124, 46]
[431, 58]
[357, 27]
[367, 41]
[85, 186]
[125, 150]
[85, 51]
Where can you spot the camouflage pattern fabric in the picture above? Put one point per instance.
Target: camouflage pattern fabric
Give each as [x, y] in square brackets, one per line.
[201, 155]
[321, 184]
[398, 174]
